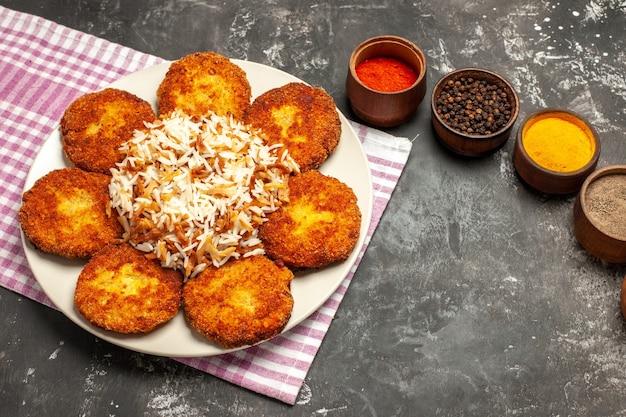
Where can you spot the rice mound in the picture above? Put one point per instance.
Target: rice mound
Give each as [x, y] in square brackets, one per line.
[193, 191]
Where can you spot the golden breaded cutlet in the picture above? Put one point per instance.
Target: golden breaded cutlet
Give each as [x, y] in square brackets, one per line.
[201, 82]
[66, 212]
[122, 290]
[95, 125]
[301, 117]
[243, 302]
[319, 225]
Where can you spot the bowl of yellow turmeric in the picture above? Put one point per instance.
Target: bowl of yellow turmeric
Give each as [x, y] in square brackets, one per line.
[555, 151]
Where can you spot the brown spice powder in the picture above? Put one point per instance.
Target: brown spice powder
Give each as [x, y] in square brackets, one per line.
[606, 204]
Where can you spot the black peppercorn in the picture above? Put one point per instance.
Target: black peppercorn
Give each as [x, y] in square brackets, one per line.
[473, 106]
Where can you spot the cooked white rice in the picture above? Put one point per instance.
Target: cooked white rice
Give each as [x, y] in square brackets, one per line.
[194, 192]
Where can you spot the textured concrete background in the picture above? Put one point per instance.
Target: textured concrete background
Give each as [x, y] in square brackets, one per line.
[474, 297]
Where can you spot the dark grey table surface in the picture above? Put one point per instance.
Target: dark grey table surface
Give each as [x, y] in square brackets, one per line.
[474, 297]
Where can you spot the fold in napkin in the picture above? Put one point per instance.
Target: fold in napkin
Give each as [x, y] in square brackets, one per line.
[43, 68]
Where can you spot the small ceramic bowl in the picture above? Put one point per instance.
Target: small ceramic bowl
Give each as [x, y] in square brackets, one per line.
[482, 138]
[551, 181]
[379, 108]
[599, 219]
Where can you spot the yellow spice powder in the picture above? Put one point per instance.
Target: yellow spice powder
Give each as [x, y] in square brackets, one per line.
[558, 141]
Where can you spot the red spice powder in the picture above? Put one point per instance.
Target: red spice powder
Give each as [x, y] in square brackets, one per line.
[386, 74]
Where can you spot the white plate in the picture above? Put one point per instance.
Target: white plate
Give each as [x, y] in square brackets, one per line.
[57, 276]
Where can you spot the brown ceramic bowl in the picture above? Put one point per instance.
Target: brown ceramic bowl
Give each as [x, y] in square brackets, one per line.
[546, 180]
[602, 232]
[386, 109]
[475, 143]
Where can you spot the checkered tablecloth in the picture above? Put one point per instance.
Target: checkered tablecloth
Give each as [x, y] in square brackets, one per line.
[45, 66]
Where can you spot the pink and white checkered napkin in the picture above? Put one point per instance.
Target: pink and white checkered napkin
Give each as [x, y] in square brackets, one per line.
[44, 67]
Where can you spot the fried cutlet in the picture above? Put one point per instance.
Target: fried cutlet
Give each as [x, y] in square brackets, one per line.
[65, 212]
[203, 82]
[319, 225]
[122, 290]
[301, 117]
[94, 126]
[243, 302]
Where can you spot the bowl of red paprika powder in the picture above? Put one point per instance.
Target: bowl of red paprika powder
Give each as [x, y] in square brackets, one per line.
[473, 111]
[386, 80]
[555, 151]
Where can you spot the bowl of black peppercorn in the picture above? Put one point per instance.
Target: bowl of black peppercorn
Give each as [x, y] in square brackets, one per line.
[473, 111]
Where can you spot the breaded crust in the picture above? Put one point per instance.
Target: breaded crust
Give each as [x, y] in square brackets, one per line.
[65, 212]
[95, 125]
[203, 81]
[320, 224]
[243, 302]
[301, 117]
[122, 290]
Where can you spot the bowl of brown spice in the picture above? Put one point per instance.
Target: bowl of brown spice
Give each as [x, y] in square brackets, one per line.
[600, 214]
[555, 151]
[386, 80]
[473, 111]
